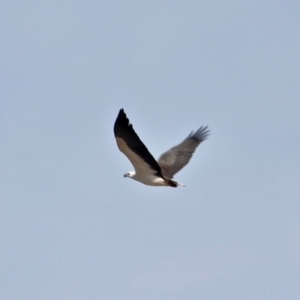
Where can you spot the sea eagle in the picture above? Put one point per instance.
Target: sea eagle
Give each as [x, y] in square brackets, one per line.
[147, 170]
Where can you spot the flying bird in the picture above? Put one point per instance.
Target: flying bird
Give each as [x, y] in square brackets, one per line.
[147, 170]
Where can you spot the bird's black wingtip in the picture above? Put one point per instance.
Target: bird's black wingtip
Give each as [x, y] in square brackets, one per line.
[121, 122]
[121, 112]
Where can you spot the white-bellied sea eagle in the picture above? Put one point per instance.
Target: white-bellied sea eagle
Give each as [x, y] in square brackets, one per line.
[147, 170]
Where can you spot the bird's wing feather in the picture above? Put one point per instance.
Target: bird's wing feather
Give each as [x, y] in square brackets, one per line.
[177, 157]
[138, 163]
[130, 144]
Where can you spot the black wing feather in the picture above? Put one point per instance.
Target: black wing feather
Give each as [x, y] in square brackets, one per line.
[124, 130]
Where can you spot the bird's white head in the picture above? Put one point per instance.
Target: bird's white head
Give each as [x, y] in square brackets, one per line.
[129, 174]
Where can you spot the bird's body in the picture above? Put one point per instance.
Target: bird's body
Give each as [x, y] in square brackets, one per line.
[147, 170]
[148, 179]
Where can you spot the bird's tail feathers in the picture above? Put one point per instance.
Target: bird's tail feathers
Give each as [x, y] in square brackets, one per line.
[173, 183]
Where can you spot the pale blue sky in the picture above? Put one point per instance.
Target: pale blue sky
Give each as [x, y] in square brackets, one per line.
[71, 227]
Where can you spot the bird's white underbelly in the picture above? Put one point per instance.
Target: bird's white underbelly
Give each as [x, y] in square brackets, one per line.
[150, 180]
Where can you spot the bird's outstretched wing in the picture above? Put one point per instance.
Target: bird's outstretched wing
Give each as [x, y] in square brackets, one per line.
[130, 144]
[177, 157]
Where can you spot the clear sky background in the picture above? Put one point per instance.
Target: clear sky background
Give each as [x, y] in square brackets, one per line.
[71, 227]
